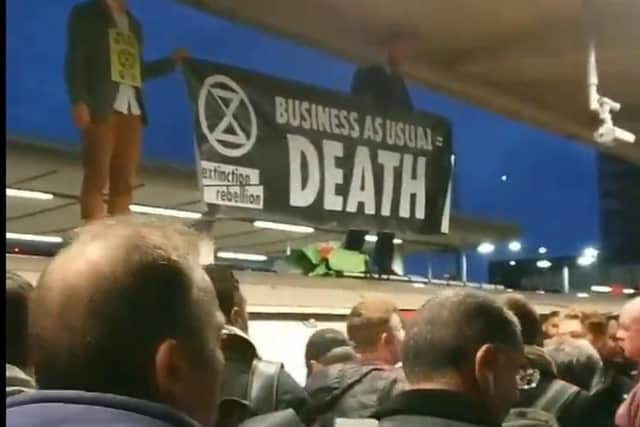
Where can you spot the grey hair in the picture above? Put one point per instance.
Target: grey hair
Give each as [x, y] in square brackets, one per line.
[450, 328]
[577, 362]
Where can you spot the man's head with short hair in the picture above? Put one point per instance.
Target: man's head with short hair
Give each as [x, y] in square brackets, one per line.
[400, 46]
[375, 328]
[464, 341]
[597, 327]
[629, 329]
[17, 297]
[577, 362]
[527, 317]
[551, 324]
[319, 346]
[232, 303]
[125, 309]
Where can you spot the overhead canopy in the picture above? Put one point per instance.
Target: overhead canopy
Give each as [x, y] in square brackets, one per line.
[523, 59]
[46, 169]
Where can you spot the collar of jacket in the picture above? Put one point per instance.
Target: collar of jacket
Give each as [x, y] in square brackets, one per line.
[239, 333]
[16, 377]
[95, 403]
[435, 403]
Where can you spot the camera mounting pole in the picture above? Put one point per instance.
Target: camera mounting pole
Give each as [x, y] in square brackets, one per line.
[607, 133]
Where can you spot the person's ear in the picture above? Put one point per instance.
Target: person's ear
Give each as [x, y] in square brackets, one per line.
[314, 366]
[173, 374]
[167, 370]
[485, 367]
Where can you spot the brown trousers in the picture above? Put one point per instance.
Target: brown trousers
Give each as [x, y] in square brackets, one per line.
[110, 155]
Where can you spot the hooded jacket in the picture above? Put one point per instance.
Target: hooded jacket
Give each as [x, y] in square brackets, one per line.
[361, 387]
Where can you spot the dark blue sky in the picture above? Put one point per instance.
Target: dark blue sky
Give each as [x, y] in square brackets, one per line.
[551, 187]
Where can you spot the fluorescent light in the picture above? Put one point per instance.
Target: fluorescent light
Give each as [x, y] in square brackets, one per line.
[512, 263]
[283, 227]
[585, 261]
[241, 256]
[152, 210]
[34, 238]
[582, 295]
[542, 250]
[601, 289]
[373, 238]
[590, 252]
[486, 248]
[509, 290]
[540, 292]
[628, 291]
[515, 246]
[543, 263]
[27, 194]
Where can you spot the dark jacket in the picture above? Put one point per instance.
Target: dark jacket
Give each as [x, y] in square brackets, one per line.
[79, 409]
[384, 90]
[431, 408]
[17, 381]
[239, 353]
[87, 61]
[575, 411]
[608, 393]
[360, 401]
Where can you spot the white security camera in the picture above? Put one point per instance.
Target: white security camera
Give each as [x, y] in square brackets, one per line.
[607, 133]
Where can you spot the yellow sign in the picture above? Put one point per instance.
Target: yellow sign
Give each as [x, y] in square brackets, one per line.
[125, 58]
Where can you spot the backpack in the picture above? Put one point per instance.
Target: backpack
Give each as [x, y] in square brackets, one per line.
[545, 411]
[261, 396]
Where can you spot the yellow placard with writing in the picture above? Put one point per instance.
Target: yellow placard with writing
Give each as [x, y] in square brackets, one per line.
[125, 58]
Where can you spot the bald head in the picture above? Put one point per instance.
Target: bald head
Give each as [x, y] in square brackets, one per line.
[123, 303]
[629, 329]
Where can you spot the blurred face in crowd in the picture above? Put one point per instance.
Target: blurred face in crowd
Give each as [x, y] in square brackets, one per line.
[572, 328]
[240, 315]
[395, 339]
[496, 369]
[550, 326]
[376, 330]
[400, 49]
[628, 333]
[617, 352]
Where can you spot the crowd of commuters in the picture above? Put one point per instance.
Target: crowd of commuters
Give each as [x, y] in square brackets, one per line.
[125, 328]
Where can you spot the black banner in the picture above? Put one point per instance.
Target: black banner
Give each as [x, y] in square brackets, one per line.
[282, 151]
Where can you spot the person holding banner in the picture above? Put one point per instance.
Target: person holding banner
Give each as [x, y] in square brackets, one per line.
[104, 73]
[385, 89]
[382, 84]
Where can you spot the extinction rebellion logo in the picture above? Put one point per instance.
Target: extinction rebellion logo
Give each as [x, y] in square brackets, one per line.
[228, 121]
[226, 116]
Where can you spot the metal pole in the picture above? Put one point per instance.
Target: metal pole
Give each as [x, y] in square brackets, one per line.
[565, 279]
[463, 267]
